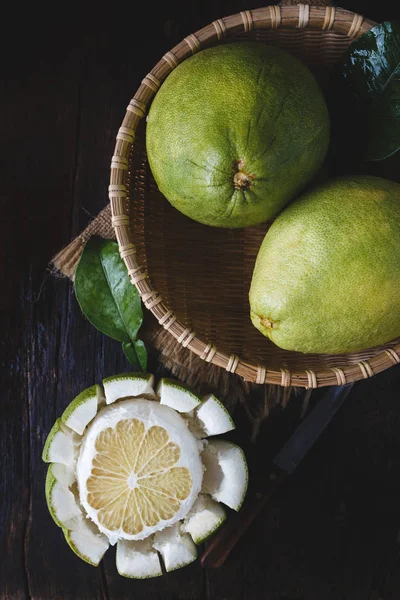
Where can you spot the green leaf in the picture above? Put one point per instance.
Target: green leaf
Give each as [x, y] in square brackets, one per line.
[136, 353]
[104, 292]
[371, 71]
[141, 353]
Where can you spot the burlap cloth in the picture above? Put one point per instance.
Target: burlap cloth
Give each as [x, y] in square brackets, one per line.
[181, 362]
[258, 400]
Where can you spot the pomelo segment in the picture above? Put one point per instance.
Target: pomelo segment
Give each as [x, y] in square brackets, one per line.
[137, 560]
[226, 474]
[60, 445]
[212, 416]
[61, 502]
[83, 409]
[204, 519]
[84, 541]
[177, 395]
[128, 385]
[177, 549]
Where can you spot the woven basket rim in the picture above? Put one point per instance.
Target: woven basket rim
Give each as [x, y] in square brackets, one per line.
[298, 16]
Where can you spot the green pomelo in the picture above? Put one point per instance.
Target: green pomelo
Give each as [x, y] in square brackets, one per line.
[327, 275]
[235, 132]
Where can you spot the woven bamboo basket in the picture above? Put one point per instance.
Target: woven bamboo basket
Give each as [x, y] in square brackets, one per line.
[193, 278]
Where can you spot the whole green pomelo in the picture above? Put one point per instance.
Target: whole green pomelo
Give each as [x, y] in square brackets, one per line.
[235, 132]
[327, 275]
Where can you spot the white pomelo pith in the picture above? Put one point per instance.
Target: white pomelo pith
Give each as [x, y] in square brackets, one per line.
[212, 416]
[60, 445]
[65, 474]
[128, 385]
[83, 409]
[204, 518]
[88, 544]
[137, 559]
[177, 549]
[226, 474]
[176, 395]
[61, 501]
[130, 486]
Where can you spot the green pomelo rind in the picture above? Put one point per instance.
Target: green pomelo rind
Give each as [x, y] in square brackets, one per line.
[56, 492]
[226, 476]
[125, 385]
[68, 538]
[180, 545]
[129, 376]
[84, 534]
[213, 417]
[185, 398]
[210, 532]
[46, 448]
[59, 433]
[125, 565]
[194, 523]
[49, 485]
[70, 415]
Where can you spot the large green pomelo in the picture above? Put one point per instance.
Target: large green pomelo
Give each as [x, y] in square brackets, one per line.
[235, 132]
[327, 275]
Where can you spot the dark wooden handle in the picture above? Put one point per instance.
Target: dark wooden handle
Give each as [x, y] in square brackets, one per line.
[221, 545]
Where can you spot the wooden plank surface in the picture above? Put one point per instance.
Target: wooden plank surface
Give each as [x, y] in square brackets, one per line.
[332, 531]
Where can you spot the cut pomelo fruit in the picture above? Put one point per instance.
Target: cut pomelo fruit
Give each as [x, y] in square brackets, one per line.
[83, 409]
[205, 517]
[128, 385]
[129, 470]
[137, 559]
[226, 475]
[139, 469]
[89, 545]
[60, 445]
[176, 395]
[213, 417]
[177, 549]
[61, 501]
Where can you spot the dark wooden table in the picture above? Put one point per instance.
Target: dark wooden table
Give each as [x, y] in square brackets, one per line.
[332, 531]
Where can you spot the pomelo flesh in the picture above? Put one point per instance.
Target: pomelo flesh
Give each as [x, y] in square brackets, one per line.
[327, 275]
[235, 132]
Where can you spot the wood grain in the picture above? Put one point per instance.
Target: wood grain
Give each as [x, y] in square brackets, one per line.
[332, 531]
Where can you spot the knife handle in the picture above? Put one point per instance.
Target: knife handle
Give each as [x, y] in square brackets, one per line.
[223, 542]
